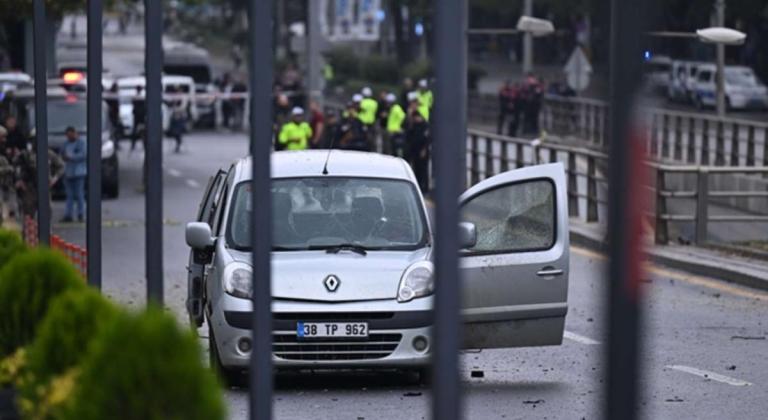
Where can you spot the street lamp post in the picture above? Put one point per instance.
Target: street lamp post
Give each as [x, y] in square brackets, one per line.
[720, 10]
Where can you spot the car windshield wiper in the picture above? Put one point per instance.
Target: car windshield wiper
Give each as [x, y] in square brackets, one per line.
[287, 248]
[335, 249]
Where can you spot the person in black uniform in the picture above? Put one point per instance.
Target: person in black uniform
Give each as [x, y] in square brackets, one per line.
[417, 135]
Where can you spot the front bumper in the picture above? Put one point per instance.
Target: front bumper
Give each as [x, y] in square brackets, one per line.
[393, 327]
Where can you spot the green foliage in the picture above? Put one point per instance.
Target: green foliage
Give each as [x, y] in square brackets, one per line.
[419, 69]
[66, 332]
[28, 285]
[344, 61]
[378, 69]
[145, 367]
[10, 246]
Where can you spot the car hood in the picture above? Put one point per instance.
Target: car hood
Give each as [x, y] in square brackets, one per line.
[300, 275]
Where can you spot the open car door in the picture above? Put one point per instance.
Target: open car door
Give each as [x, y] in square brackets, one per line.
[196, 268]
[515, 278]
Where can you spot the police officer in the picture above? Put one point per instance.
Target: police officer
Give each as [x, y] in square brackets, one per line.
[368, 108]
[351, 131]
[426, 99]
[395, 120]
[296, 133]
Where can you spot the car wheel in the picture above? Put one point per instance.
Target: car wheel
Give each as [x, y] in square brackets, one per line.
[420, 376]
[231, 378]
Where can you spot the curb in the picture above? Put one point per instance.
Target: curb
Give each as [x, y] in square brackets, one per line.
[710, 269]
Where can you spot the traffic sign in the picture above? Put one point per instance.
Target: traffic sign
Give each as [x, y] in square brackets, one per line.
[578, 70]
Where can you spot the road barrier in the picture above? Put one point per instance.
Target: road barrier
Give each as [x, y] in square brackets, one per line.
[77, 255]
[489, 154]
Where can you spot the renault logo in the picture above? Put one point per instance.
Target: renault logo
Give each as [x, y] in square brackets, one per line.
[331, 283]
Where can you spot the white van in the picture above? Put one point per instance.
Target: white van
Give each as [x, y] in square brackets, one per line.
[183, 86]
[682, 79]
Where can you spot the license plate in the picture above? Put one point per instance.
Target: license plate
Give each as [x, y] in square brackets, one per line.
[332, 329]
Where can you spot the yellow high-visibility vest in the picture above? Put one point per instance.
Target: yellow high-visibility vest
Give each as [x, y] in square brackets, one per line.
[425, 103]
[395, 119]
[292, 131]
[368, 108]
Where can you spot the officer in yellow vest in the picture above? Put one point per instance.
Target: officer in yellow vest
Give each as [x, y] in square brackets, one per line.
[296, 133]
[395, 120]
[368, 107]
[425, 99]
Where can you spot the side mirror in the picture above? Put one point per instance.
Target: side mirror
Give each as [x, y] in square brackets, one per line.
[467, 235]
[199, 236]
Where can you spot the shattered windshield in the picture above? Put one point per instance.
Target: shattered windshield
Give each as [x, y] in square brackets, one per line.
[315, 213]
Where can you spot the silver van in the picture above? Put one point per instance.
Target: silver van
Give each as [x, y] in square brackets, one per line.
[352, 273]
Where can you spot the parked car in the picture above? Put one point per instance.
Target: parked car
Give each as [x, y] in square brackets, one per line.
[194, 62]
[352, 272]
[657, 70]
[13, 80]
[682, 80]
[743, 89]
[68, 109]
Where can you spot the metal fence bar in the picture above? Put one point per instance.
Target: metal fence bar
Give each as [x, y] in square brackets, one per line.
[41, 124]
[624, 215]
[450, 66]
[702, 207]
[261, 69]
[153, 159]
[94, 111]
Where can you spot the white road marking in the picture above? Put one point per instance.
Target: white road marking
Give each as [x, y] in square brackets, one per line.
[580, 338]
[174, 172]
[709, 375]
[193, 184]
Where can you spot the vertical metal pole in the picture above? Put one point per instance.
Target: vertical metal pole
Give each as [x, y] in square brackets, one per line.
[315, 44]
[449, 135]
[720, 11]
[527, 40]
[702, 206]
[95, 112]
[153, 62]
[41, 125]
[261, 63]
[625, 212]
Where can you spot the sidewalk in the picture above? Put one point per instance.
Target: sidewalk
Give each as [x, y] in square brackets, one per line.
[695, 260]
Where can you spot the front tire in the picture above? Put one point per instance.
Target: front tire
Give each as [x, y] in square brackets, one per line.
[231, 378]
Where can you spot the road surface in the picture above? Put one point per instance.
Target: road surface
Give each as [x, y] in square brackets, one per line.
[705, 340]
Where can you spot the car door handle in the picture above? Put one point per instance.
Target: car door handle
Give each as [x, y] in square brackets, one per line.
[549, 272]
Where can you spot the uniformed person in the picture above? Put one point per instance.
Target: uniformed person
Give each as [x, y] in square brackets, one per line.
[395, 120]
[25, 163]
[295, 134]
[426, 99]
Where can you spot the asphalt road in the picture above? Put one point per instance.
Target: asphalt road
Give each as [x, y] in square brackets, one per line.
[704, 340]
[693, 327]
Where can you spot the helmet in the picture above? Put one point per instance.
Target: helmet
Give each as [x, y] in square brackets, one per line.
[367, 92]
[391, 97]
[423, 83]
[357, 98]
[297, 111]
[413, 96]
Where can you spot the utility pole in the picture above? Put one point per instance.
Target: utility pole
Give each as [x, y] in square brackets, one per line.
[315, 45]
[720, 17]
[527, 40]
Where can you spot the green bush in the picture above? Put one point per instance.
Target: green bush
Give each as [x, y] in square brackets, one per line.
[419, 69]
[28, 285]
[10, 246]
[345, 63]
[378, 69]
[145, 367]
[66, 332]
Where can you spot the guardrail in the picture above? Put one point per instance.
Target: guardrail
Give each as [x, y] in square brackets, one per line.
[489, 154]
[77, 255]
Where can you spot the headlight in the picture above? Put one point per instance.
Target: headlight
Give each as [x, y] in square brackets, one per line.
[107, 149]
[238, 280]
[418, 280]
